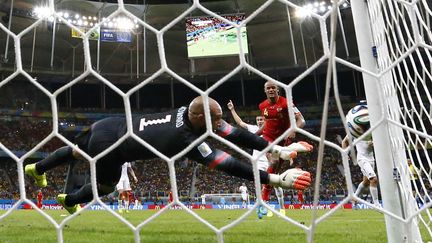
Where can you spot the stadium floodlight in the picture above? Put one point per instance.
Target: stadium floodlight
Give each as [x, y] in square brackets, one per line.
[322, 9]
[125, 24]
[41, 12]
[303, 13]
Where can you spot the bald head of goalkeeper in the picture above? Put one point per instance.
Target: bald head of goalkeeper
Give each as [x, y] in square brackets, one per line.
[196, 114]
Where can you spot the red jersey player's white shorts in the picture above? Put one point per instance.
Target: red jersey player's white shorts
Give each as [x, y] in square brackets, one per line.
[123, 185]
[367, 167]
[263, 162]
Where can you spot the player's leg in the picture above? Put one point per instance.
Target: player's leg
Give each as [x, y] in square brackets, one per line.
[362, 185]
[280, 198]
[244, 200]
[58, 157]
[128, 189]
[126, 201]
[37, 170]
[263, 165]
[108, 171]
[373, 188]
[120, 190]
[120, 200]
[273, 167]
[266, 189]
[372, 181]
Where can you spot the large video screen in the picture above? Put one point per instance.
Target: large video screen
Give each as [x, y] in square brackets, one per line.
[209, 36]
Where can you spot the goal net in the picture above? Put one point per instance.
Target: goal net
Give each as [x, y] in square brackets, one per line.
[394, 39]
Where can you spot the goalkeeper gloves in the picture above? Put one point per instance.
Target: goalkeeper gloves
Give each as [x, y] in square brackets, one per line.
[290, 152]
[291, 179]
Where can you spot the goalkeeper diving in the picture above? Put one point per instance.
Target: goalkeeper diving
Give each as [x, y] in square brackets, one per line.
[168, 132]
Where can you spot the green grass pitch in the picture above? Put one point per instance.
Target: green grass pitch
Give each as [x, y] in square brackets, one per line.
[178, 226]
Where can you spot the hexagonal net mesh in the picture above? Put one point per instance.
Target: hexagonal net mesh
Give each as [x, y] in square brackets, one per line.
[397, 85]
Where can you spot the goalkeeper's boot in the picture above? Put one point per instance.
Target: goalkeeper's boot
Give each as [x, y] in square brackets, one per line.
[40, 180]
[71, 209]
[282, 211]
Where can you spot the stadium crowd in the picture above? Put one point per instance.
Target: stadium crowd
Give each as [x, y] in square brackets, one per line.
[20, 133]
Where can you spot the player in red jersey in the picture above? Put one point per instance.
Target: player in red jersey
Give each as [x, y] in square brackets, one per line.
[275, 112]
[39, 199]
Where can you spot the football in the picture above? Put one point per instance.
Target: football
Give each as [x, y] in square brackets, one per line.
[358, 120]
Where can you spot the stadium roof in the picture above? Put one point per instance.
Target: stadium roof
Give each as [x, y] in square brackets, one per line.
[269, 36]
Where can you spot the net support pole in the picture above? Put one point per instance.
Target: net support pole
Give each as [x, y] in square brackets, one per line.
[54, 26]
[144, 44]
[33, 49]
[386, 161]
[73, 61]
[303, 44]
[137, 56]
[291, 35]
[98, 49]
[9, 27]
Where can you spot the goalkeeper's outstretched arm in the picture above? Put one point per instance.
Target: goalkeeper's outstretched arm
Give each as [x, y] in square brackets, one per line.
[220, 160]
[252, 141]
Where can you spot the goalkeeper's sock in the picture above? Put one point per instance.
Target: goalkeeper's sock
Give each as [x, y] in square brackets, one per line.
[83, 195]
[359, 188]
[374, 194]
[60, 156]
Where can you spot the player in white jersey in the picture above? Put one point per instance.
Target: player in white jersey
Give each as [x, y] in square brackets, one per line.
[366, 162]
[244, 194]
[263, 162]
[123, 187]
